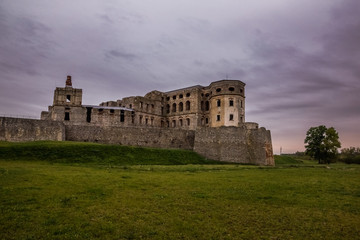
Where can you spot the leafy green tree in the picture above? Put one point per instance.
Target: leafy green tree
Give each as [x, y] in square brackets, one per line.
[322, 143]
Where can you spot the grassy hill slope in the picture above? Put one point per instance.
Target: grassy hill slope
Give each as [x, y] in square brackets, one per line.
[78, 152]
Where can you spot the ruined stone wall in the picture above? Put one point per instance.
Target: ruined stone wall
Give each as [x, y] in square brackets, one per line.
[132, 136]
[234, 144]
[17, 130]
[247, 144]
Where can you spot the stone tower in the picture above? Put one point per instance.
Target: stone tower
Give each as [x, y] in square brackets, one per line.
[67, 96]
[227, 103]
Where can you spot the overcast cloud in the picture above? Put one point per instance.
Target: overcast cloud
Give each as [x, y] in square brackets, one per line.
[300, 60]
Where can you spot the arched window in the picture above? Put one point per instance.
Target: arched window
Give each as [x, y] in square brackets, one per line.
[202, 105]
[167, 108]
[181, 107]
[180, 122]
[188, 121]
[174, 107]
[218, 103]
[187, 105]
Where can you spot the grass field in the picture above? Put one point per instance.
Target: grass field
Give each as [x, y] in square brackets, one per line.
[82, 199]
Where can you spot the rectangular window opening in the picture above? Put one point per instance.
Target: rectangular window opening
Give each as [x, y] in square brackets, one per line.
[67, 116]
[122, 116]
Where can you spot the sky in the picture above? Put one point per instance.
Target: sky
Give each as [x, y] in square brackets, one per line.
[300, 60]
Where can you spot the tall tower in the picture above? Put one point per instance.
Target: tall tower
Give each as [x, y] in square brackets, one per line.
[227, 103]
[67, 96]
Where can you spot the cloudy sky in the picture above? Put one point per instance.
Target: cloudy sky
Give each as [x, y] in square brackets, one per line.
[300, 60]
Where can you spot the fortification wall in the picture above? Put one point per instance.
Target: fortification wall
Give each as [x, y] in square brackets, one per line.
[234, 144]
[133, 136]
[17, 130]
[245, 144]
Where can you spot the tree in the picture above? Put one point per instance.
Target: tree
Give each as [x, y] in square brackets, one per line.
[322, 143]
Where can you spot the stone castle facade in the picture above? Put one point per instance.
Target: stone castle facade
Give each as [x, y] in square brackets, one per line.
[222, 103]
[208, 120]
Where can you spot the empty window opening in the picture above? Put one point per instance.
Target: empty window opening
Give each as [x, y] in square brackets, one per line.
[68, 98]
[147, 107]
[174, 97]
[140, 119]
[188, 121]
[167, 98]
[174, 123]
[206, 120]
[188, 106]
[88, 114]
[122, 116]
[241, 119]
[67, 116]
[231, 117]
[130, 106]
[231, 89]
[180, 122]
[162, 123]
[133, 117]
[146, 121]
[188, 95]
[231, 103]
[241, 90]
[218, 103]
[152, 121]
[218, 90]
[207, 95]
[152, 106]
[141, 104]
[207, 106]
[217, 117]
[181, 96]
[181, 107]
[167, 123]
[202, 106]
[174, 107]
[100, 110]
[112, 110]
[167, 108]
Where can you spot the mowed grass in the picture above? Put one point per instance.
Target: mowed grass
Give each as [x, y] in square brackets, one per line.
[46, 200]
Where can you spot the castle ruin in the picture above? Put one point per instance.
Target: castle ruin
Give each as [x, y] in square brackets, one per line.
[209, 120]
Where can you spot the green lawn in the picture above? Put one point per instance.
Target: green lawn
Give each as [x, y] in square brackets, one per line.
[47, 200]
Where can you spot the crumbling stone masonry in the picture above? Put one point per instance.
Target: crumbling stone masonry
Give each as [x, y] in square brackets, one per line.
[209, 120]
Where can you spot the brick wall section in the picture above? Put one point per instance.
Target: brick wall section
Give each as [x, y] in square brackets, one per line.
[133, 136]
[17, 130]
[234, 144]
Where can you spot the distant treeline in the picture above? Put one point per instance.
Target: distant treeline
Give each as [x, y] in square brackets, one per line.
[346, 155]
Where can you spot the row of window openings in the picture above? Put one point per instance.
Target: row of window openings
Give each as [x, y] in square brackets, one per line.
[180, 96]
[231, 89]
[181, 123]
[231, 118]
[147, 106]
[231, 103]
[181, 107]
[88, 115]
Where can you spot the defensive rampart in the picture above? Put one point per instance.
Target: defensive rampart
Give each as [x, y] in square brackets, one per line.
[18, 129]
[247, 144]
[132, 136]
[234, 144]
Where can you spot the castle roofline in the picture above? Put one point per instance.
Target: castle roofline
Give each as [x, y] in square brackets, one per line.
[186, 88]
[227, 80]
